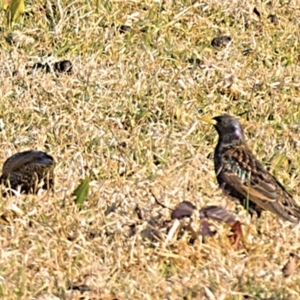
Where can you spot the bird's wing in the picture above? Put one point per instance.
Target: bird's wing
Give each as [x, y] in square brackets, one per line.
[286, 202]
[243, 172]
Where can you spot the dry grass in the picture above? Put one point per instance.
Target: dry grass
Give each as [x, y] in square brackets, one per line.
[128, 116]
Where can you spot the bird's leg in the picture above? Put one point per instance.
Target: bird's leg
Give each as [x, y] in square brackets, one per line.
[255, 224]
[253, 215]
[225, 193]
[222, 187]
[255, 219]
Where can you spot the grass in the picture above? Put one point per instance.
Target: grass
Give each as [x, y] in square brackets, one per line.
[127, 117]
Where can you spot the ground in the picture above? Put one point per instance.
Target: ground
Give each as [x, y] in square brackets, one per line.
[128, 116]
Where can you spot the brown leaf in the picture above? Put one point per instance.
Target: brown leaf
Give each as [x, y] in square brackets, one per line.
[217, 213]
[236, 236]
[182, 210]
[206, 230]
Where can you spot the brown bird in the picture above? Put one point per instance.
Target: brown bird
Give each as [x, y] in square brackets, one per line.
[27, 170]
[243, 177]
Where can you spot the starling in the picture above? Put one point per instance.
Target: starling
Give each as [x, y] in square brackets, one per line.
[27, 170]
[242, 176]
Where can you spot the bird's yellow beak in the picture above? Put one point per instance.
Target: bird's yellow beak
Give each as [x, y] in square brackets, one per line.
[208, 120]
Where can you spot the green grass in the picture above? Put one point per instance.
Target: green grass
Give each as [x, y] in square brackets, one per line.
[128, 117]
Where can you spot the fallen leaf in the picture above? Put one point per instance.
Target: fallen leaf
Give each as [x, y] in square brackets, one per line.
[81, 192]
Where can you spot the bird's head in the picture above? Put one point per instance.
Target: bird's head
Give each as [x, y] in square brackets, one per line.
[228, 128]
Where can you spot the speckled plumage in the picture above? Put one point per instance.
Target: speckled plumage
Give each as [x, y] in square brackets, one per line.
[243, 177]
[27, 169]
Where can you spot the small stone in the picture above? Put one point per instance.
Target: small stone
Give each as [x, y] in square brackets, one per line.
[221, 41]
[64, 66]
[273, 19]
[124, 28]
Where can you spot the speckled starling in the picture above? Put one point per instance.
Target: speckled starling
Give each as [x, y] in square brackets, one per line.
[243, 177]
[28, 170]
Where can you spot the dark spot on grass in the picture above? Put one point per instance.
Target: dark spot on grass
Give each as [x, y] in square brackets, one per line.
[221, 41]
[273, 19]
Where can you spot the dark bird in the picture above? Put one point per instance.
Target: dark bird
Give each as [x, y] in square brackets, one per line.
[28, 170]
[242, 176]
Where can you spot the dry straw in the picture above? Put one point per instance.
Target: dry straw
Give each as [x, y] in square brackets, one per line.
[127, 118]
